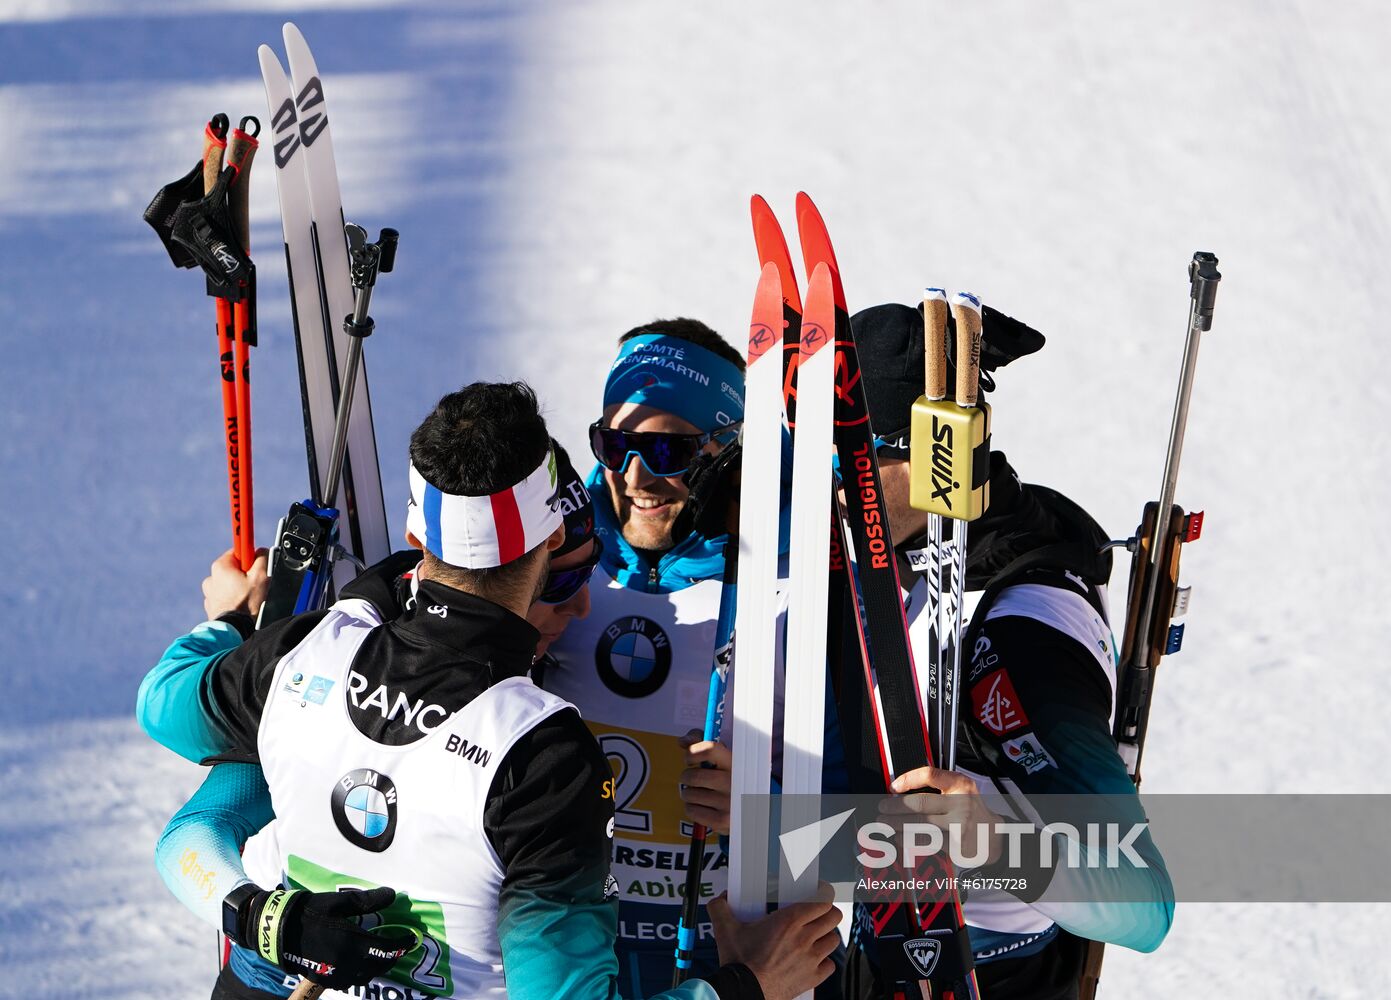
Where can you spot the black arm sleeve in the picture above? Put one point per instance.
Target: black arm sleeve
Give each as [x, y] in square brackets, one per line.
[239, 683]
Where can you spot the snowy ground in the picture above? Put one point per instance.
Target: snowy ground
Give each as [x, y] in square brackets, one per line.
[561, 174]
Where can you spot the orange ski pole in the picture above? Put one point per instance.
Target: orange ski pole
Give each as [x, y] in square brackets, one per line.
[240, 153]
[214, 149]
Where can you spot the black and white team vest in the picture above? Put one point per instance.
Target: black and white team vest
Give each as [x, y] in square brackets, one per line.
[353, 812]
[638, 669]
[1071, 614]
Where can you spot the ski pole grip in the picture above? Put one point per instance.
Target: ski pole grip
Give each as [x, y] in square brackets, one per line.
[387, 241]
[966, 310]
[1203, 277]
[307, 991]
[241, 150]
[214, 144]
[935, 342]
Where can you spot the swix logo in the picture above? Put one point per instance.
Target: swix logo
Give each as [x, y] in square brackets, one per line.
[760, 339]
[813, 338]
[294, 124]
[871, 515]
[942, 482]
[996, 704]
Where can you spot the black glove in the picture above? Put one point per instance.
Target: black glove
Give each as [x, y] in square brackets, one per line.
[714, 484]
[311, 934]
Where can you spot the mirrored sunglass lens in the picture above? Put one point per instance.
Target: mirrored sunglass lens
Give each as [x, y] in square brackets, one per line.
[669, 455]
[610, 447]
[565, 584]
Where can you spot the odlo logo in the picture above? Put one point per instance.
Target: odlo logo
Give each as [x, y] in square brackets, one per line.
[942, 484]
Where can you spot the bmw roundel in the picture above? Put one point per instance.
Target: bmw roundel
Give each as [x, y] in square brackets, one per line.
[633, 657]
[364, 808]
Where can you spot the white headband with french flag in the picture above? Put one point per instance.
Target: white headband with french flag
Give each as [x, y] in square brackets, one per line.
[487, 531]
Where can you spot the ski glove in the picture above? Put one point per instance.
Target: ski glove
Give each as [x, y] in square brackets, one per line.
[311, 934]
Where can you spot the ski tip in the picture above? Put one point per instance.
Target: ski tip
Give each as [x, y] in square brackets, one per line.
[772, 249]
[818, 322]
[765, 328]
[816, 243]
[291, 30]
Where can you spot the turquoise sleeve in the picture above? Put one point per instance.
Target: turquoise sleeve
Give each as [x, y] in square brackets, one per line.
[199, 852]
[172, 705]
[556, 948]
[1138, 907]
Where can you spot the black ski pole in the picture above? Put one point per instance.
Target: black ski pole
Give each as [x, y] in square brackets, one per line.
[307, 543]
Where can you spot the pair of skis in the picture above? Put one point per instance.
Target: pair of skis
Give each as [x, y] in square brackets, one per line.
[202, 219]
[817, 386]
[328, 279]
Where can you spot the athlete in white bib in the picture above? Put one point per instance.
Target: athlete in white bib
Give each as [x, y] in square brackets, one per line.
[1037, 698]
[638, 667]
[416, 752]
[1037, 694]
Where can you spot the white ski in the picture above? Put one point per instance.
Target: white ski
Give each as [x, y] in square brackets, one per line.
[804, 705]
[321, 292]
[755, 621]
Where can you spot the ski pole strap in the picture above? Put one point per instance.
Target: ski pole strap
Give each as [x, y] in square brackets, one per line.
[485, 531]
[267, 929]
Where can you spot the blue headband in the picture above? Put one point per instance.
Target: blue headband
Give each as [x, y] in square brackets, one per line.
[668, 373]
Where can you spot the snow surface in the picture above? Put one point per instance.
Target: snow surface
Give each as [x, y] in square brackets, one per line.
[563, 173]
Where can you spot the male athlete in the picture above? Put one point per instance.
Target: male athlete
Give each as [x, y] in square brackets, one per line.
[417, 753]
[638, 667]
[1037, 696]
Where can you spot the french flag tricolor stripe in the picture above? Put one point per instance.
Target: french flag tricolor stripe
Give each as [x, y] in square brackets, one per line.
[433, 502]
[487, 531]
[507, 520]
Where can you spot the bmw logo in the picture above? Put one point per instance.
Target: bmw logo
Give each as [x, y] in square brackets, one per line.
[633, 657]
[364, 809]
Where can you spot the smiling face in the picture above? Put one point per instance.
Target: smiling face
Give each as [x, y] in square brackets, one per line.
[551, 619]
[647, 505]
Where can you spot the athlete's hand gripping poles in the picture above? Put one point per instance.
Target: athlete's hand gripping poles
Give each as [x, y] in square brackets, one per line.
[1154, 598]
[950, 479]
[202, 218]
[687, 929]
[306, 542]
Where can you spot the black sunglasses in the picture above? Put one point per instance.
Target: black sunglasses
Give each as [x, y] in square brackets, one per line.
[662, 454]
[563, 584]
